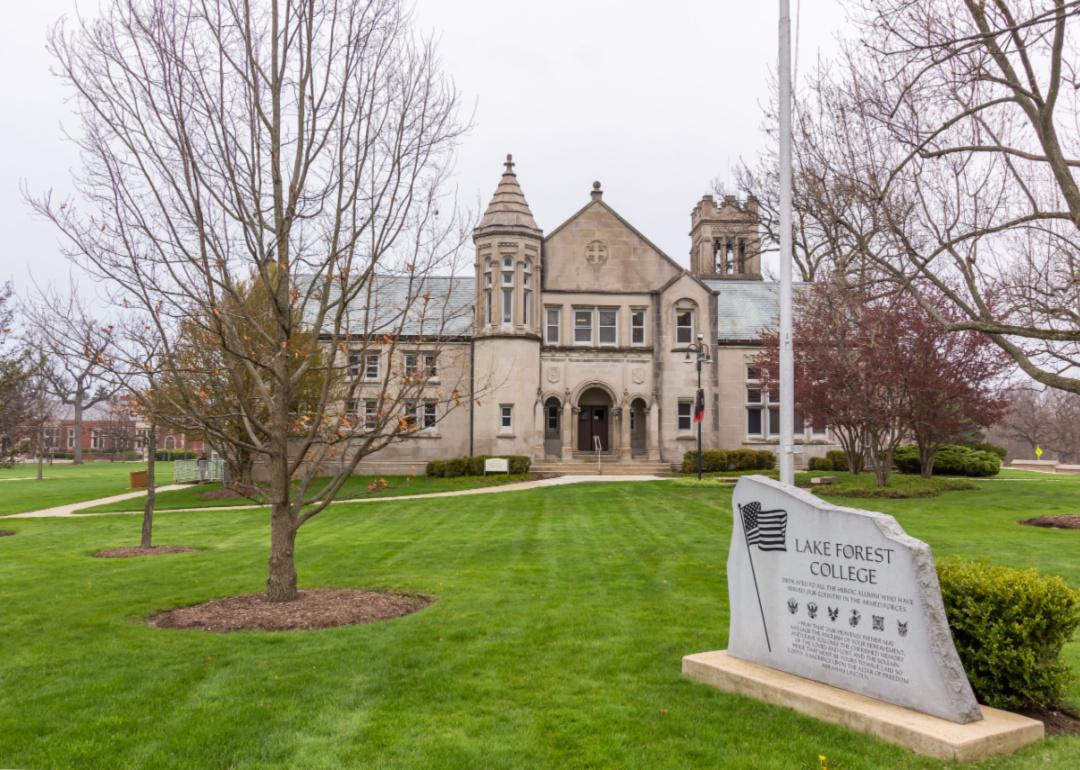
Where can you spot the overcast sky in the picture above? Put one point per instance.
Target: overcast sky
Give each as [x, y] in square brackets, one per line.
[653, 99]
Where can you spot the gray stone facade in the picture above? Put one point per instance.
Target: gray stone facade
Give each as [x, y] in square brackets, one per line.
[580, 339]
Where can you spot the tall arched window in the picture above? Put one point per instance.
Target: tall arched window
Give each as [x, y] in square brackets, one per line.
[508, 290]
[487, 291]
[527, 297]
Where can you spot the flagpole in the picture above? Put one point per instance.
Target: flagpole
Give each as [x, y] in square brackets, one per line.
[750, 555]
[787, 363]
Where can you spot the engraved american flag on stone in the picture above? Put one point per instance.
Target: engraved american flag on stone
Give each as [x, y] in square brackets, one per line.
[765, 529]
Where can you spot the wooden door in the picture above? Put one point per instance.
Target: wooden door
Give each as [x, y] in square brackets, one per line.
[592, 423]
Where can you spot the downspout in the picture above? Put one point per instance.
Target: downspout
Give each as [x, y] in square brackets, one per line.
[472, 391]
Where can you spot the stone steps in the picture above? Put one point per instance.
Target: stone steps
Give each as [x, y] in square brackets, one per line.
[607, 467]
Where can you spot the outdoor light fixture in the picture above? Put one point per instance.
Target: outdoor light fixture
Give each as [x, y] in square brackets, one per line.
[703, 357]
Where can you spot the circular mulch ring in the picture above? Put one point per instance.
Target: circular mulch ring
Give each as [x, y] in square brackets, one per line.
[6, 533]
[154, 550]
[1061, 521]
[319, 608]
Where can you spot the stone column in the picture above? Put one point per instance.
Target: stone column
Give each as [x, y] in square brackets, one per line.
[540, 425]
[653, 418]
[569, 430]
[624, 434]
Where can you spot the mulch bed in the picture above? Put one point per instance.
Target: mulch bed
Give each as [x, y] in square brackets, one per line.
[1056, 721]
[154, 550]
[6, 533]
[320, 608]
[1061, 521]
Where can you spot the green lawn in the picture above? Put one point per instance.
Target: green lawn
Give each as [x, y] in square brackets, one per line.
[66, 483]
[555, 642]
[355, 488]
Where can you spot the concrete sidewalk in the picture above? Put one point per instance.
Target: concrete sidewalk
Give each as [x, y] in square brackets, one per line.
[63, 511]
[67, 511]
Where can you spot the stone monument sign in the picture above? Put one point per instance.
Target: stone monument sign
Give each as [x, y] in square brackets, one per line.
[841, 596]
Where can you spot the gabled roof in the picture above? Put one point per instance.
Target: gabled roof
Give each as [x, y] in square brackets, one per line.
[431, 306]
[745, 308]
[508, 209]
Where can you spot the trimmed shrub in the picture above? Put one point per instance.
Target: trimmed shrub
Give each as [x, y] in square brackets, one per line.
[474, 466]
[951, 460]
[720, 460]
[819, 464]
[164, 455]
[837, 459]
[986, 446]
[1010, 626]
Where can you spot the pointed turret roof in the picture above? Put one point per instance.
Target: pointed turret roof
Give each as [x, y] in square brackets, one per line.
[508, 210]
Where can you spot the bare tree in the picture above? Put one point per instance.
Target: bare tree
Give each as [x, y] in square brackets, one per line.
[271, 172]
[1045, 418]
[13, 379]
[76, 347]
[959, 138]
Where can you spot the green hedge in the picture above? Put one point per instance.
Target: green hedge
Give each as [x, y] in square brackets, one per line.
[951, 460]
[834, 460]
[164, 455]
[474, 466]
[1009, 626]
[986, 446]
[719, 460]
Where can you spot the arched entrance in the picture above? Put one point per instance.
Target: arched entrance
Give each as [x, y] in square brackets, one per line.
[594, 420]
[552, 427]
[638, 425]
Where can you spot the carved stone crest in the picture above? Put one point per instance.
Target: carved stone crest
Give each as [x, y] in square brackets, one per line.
[596, 253]
[553, 374]
[637, 374]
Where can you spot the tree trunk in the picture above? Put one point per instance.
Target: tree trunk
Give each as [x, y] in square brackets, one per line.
[77, 456]
[927, 453]
[148, 508]
[281, 580]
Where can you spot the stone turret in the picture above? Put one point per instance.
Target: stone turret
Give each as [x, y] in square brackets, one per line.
[725, 241]
[507, 262]
[507, 330]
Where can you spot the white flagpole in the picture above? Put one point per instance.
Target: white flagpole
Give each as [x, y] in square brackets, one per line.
[787, 367]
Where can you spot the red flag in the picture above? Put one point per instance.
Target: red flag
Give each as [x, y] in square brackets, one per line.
[699, 406]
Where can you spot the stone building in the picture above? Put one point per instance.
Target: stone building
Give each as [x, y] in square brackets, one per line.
[584, 337]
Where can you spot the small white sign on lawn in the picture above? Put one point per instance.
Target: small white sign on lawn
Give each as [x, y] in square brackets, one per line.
[496, 465]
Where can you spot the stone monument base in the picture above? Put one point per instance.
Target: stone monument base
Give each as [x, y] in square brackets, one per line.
[999, 732]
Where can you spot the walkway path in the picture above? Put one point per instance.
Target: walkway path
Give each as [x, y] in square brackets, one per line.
[67, 511]
[62, 511]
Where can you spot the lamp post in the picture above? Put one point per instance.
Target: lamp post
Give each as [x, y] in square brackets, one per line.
[701, 356]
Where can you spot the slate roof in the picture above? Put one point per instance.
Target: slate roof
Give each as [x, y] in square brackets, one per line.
[398, 307]
[744, 308]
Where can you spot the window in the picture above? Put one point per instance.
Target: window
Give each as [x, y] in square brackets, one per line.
[633, 420]
[553, 418]
[753, 395]
[411, 365]
[487, 272]
[487, 308]
[371, 366]
[508, 306]
[431, 365]
[142, 438]
[753, 372]
[371, 414]
[684, 326]
[637, 326]
[354, 365]
[71, 438]
[527, 308]
[408, 414]
[774, 420]
[753, 422]
[608, 326]
[527, 274]
[552, 325]
[352, 409]
[686, 414]
[97, 441]
[506, 418]
[508, 270]
[818, 426]
[428, 416]
[583, 326]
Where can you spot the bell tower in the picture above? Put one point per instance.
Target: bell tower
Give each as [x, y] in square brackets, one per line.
[725, 240]
[507, 322]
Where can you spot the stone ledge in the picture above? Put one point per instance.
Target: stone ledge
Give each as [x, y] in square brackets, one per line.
[999, 732]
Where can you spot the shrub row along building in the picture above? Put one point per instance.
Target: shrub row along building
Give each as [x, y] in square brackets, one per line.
[584, 339]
